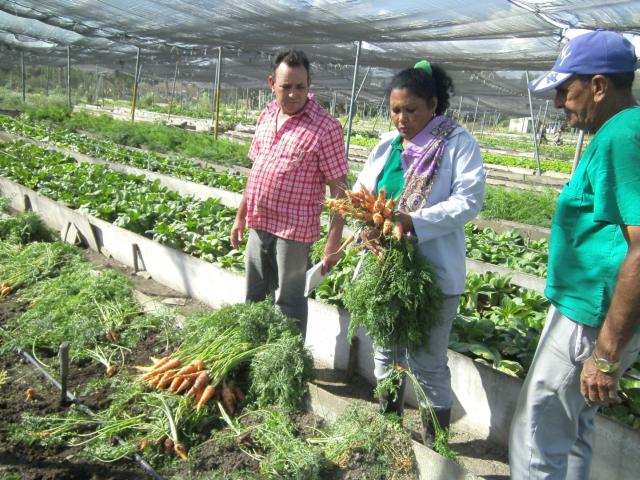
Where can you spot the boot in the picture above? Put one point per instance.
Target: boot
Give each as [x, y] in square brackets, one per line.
[428, 432]
[389, 405]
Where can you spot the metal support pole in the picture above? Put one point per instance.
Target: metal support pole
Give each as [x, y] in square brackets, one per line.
[23, 76]
[534, 130]
[135, 86]
[475, 114]
[47, 84]
[482, 124]
[353, 96]
[217, 119]
[64, 371]
[460, 109]
[576, 157]
[69, 76]
[173, 92]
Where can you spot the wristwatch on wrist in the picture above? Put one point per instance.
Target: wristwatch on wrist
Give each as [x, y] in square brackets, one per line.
[604, 365]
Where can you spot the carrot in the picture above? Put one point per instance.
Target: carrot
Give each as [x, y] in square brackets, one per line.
[168, 446]
[367, 217]
[143, 444]
[240, 396]
[228, 400]
[166, 379]
[186, 383]
[153, 383]
[197, 395]
[200, 382]
[175, 384]
[193, 375]
[111, 371]
[194, 366]
[209, 391]
[30, 394]
[180, 451]
[378, 219]
[171, 364]
[397, 231]
[346, 243]
[382, 196]
[387, 227]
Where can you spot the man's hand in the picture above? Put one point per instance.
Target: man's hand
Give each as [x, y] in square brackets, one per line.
[597, 387]
[237, 232]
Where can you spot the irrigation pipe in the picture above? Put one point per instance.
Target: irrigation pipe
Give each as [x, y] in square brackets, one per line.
[139, 460]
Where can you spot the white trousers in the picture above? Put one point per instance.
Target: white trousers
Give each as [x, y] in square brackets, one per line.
[552, 426]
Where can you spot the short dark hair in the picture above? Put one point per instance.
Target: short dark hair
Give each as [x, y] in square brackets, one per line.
[423, 85]
[622, 81]
[293, 58]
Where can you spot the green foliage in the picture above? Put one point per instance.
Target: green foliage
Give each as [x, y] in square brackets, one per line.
[280, 372]
[522, 206]
[22, 266]
[396, 297]
[286, 454]
[374, 439]
[199, 228]
[22, 227]
[524, 162]
[508, 248]
[81, 306]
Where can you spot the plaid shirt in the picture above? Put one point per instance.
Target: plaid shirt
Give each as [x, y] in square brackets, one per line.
[286, 186]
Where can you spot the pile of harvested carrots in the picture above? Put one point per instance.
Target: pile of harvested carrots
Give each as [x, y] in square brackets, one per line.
[376, 212]
[191, 380]
[5, 289]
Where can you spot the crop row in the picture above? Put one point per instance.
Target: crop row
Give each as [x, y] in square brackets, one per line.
[169, 165]
[197, 227]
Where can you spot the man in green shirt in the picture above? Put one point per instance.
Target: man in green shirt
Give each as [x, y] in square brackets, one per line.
[593, 282]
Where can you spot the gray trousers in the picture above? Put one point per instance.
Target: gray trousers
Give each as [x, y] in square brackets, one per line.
[429, 363]
[275, 266]
[552, 426]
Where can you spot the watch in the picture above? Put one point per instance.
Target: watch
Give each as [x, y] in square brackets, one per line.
[604, 365]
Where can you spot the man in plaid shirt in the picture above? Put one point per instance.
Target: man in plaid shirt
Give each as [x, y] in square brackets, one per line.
[297, 150]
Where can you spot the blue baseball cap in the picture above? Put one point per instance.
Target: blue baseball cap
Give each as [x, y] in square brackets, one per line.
[592, 53]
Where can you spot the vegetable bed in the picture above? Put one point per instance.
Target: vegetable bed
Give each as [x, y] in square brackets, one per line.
[254, 429]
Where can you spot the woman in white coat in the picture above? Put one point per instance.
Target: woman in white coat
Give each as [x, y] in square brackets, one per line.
[434, 165]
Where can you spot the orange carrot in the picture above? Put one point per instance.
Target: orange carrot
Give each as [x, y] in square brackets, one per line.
[387, 227]
[111, 370]
[171, 364]
[346, 243]
[153, 383]
[228, 400]
[197, 395]
[168, 446]
[166, 379]
[30, 394]
[143, 444]
[397, 231]
[194, 366]
[175, 384]
[200, 383]
[186, 383]
[240, 396]
[209, 391]
[378, 219]
[180, 451]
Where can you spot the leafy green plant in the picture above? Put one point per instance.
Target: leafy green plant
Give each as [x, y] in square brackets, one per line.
[396, 297]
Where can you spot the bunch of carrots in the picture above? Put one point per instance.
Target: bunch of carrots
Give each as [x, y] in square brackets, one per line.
[191, 380]
[377, 213]
[5, 289]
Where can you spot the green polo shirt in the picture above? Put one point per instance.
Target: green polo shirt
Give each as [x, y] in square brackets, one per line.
[587, 246]
[392, 176]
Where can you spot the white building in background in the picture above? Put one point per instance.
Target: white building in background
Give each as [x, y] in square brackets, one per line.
[520, 125]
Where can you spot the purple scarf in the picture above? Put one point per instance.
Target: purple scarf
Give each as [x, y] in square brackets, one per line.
[421, 162]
